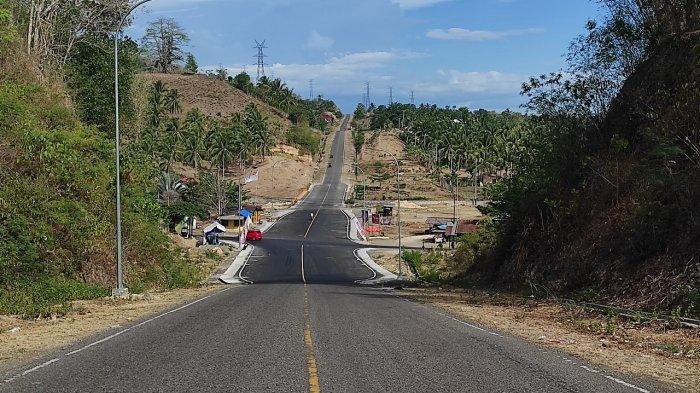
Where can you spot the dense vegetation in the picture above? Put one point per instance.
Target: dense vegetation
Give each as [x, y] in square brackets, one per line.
[599, 182]
[602, 201]
[450, 141]
[57, 161]
[277, 94]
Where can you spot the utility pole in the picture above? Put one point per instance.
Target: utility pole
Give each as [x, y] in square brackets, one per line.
[391, 95]
[260, 46]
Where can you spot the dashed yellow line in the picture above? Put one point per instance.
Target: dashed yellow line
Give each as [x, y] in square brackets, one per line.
[314, 384]
[303, 277]
[317, 212]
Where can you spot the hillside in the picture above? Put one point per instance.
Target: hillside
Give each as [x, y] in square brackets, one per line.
[213, 97]
[57, 204]
[633, 238]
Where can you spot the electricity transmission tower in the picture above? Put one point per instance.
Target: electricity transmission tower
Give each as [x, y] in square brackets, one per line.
[368, 101]
[391, 95]
[260, 46]
[311, 89]
[413, 98]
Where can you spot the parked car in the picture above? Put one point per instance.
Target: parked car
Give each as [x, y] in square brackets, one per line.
[254, 235]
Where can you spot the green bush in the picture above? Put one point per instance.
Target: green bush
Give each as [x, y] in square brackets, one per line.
[45, 296]
[304, 138]
[57, 210]
[476, 246]
[424, 270]
[179, 211]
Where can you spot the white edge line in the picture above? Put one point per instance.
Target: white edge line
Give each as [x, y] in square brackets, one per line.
[240, 271]
[363, 254]
[111, 336]
[629, 385]
[374, 272]
[589, 369]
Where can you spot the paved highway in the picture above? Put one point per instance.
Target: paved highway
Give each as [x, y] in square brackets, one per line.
[304, 325]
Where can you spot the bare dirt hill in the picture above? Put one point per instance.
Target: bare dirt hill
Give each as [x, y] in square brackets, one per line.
[214, 97]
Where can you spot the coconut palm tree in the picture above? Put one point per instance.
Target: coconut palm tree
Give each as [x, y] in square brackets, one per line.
[257, 124]
[172, 102]
[194, 145]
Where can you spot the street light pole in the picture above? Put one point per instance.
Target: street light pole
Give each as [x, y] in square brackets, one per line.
[398, 197]
[120, 290]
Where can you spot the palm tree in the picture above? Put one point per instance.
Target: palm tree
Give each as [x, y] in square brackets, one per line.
[172, 102]
[256, 123]
[169, 189]
[172, 141]
[156, 105]
[194, 142]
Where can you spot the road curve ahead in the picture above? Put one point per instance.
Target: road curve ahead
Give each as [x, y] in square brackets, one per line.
[305, 326]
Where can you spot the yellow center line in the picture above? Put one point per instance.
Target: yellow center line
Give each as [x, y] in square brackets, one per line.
[317, 211]
[303, 277]
[314, 384]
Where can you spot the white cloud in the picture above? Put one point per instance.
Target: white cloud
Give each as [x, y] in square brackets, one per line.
[338, 75]
[456, 33]
[414, 4]
[490, 82]
[351, 67]
[317, 41]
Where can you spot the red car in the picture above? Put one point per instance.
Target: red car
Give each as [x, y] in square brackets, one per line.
[254, 235]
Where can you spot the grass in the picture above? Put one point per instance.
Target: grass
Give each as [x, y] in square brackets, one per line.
[425, 270]
[46, 296]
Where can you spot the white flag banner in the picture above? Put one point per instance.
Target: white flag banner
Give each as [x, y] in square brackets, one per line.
[251, 178]
[242, 234]
[360, 229]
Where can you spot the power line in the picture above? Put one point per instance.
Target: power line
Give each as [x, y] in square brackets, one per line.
[260, 46]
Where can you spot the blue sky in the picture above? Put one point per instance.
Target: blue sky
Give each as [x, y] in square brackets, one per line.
[473, 53]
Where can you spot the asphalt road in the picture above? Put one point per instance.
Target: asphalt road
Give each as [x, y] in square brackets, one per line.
[304, 325]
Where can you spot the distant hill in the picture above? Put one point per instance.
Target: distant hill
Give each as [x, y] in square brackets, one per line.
[213, 96]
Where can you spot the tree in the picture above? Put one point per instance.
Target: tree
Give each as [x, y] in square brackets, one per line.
[242, 82]
[8, 31]
[172, 142]
[222, 73]
[256, 123]
[191, 64]
[163, 42]
[194, 147]
[169, 189]
[55, 27]
[90, 77]
[360, 111]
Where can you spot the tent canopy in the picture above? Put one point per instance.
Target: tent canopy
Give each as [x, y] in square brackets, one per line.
[215, 227]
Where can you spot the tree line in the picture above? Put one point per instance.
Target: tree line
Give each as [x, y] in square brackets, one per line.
[450, 141]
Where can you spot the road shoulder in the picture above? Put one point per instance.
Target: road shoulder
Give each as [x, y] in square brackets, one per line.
[23, 341]
[671, 357]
